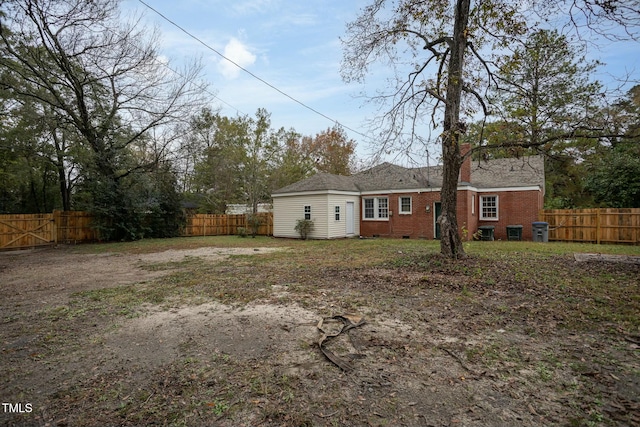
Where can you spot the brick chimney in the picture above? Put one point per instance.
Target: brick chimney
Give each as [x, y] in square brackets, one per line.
[465, 169]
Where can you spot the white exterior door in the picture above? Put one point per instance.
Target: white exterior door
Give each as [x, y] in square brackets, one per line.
[350, 219]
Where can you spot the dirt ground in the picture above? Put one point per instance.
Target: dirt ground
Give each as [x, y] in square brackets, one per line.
[86, 339]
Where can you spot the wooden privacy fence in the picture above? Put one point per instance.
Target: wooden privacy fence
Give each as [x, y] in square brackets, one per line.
[225, 225]
[19, 231]
[30, 230]
[593, 225]
[75, 227]
[27, 230]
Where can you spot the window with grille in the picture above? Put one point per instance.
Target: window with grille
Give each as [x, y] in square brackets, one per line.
[405, 205]
[489, 207]
[383, 207]
[376, 208]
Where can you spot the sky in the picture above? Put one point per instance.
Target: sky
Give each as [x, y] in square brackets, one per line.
[295, 47]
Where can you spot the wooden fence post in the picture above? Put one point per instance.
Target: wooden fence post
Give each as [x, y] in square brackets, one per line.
[598, 237]
[57, 222]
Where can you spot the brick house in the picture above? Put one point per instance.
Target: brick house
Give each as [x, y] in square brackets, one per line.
[393, 201]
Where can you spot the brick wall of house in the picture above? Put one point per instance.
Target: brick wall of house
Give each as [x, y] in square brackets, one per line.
[418, 224]
[467, 213]
[514, 208]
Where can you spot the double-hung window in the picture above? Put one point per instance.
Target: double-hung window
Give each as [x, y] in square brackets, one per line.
[307, 213]
[489, 207]
[369, 208]
[405, 205]
[376, 208]
[337, 213]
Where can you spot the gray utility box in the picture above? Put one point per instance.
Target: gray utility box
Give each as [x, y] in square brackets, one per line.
[486, 232]
[540, 231]
[514, 232]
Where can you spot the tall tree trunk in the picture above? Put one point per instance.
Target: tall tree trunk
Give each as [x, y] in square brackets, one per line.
[33, 191]
[65, 191]
[450, 242]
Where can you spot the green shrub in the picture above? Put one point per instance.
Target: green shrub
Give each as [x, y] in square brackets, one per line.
[253, 222]
[304, 227]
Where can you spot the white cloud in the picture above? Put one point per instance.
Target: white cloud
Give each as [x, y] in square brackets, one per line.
[164, 60]
[238, 53]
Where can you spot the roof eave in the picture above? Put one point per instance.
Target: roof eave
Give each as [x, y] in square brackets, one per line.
[317, 193]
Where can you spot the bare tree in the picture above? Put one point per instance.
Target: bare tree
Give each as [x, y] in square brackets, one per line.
[102, 75]
[444, 56]
[98, 72]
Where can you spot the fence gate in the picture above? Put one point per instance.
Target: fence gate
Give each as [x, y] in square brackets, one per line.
[27, 231]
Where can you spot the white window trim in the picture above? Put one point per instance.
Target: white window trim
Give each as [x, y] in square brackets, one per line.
[376, 209]
[481, 209]
[337, 214]
[307, 213]
[400, 205]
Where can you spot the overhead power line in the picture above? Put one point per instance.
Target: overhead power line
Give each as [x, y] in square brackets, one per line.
[249, 72]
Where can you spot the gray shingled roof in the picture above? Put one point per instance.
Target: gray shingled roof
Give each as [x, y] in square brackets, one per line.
[495, 173]
[512, 172]
[389, 177]
[320, 182]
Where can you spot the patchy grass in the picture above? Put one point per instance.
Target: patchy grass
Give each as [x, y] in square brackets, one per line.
[550, 248]
[350, 246]
[515, 333]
